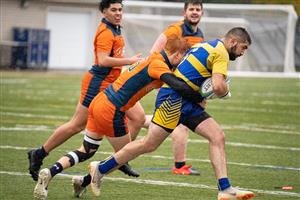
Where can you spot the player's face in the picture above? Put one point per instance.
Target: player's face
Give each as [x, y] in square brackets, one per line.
[114, 13]
[238, 49]
[177, 59]
[193, 14]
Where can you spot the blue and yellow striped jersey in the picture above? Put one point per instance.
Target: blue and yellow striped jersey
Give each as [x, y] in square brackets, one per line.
[201, 61]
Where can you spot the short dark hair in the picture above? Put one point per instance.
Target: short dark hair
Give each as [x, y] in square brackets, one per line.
[106, 3]
[193, 2]
[240, 33]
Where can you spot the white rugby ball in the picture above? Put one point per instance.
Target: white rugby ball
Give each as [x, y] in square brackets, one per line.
[206, 89]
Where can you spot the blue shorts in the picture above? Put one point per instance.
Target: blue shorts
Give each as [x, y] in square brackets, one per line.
[172, 109]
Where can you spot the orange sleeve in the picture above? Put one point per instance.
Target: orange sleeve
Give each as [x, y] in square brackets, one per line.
[104, 41]
[157, 68]
[173, 29]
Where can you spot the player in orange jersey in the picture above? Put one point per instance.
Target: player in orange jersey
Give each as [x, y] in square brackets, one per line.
[109, 59]
[187, 28]
[107, 110]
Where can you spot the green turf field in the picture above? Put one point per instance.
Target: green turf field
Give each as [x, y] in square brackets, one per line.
[261, 122]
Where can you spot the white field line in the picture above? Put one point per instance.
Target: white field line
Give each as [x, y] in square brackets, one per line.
[235, 144]
[33, 115]
[169, 183]
[253, 110]
[171, 158]
[238, 144]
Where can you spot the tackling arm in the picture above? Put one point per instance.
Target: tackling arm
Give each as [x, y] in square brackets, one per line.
[181, 87]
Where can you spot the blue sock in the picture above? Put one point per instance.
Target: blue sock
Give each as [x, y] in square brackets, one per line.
[223, 184]
[107, 165]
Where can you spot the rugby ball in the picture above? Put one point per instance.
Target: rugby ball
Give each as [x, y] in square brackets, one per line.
[206, 89]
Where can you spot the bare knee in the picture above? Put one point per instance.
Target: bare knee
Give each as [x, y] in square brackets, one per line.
[218, 138]
[149, 147]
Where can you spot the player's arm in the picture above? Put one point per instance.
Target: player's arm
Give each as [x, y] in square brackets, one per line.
[105, 60]
[181, 87]
[220, 87]
[160, 43]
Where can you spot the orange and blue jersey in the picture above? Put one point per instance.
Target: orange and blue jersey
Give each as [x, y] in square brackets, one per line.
[138, 80]
[183, 29]
[108, 39]
[107, 110]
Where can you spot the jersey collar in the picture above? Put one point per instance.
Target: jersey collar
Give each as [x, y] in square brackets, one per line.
[116, 28]
[164, 55]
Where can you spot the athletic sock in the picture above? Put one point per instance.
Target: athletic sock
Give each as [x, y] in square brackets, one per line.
[223, 184]
[41, 153]
[107, 165]
[56, 168]
[178, 165]
[86, 180]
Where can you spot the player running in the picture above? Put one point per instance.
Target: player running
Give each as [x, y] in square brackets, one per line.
[208, 59]
[107, 110]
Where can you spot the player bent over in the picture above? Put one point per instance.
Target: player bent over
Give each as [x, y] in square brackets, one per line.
[208, 59]
[107, 110]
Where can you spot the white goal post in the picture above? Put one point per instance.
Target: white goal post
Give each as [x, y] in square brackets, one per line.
[272, 28]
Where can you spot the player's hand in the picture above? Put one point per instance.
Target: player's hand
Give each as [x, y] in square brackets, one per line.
[202, 103]
[136, 58]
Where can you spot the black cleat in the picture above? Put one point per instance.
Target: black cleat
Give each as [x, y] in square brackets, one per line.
[126, 169]
[35, 164]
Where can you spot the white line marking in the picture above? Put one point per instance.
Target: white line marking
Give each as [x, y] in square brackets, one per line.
[171, 158]
[168, 183]
[34, 115]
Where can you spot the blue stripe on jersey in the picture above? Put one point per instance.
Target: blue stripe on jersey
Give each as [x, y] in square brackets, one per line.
[99, 74]
[129, 89]
[214, 43]
[202, 54]
[189, 71]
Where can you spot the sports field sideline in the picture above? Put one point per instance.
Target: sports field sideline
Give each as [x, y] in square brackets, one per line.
[261, 122]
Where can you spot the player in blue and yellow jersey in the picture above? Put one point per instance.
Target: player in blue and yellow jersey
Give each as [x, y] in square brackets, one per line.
[208, 59]
[186, 28]
[108, 52]
[107, 111]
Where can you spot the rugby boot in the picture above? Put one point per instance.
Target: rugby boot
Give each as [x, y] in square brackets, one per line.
[235, 193]
[35, 164]
[97, 178]
[78, 190]
[185, 170]
[41, 189]
[127, 169]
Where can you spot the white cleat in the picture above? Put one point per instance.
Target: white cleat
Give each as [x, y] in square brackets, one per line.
[235, 193]
[41, 189]
[97, 178]
[78, 190]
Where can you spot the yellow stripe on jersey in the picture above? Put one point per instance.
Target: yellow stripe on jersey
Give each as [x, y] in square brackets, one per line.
[191, 84]
[198, 66]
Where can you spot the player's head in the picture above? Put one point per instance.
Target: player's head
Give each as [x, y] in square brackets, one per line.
[193, 11]
[237, 40]
[176, 47]
[112, 10]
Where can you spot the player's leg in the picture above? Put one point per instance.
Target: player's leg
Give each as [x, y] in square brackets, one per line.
[89, 147]
[155, 136]
[147, 121]
[59, 136]
[207, 127]
[136, 119]
[180, 137]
